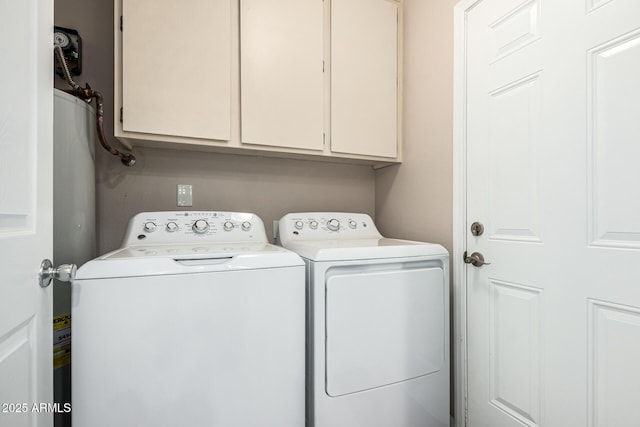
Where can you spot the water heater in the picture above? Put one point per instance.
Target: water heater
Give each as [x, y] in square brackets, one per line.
[74, 219]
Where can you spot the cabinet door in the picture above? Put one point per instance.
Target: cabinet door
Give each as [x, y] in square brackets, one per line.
[281, 60]
[364, 77]
[176, 67]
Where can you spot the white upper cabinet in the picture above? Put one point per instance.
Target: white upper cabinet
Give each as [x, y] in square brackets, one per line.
[364, 77]
[281, 73]
[176, 68]
[314, 79]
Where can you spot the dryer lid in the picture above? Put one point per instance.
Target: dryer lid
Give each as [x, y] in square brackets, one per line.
[360, 249]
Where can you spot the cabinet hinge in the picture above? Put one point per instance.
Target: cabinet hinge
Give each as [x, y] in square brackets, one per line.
[121, 23]
[121, 115]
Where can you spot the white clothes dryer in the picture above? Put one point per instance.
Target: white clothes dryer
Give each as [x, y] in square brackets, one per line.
[378, 323]
[196, 321]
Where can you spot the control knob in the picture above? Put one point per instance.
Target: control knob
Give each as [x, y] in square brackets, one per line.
[228, 226]
[313, 225]
[172, 227]
[352, 224]
[200, 226]
[149, 227]
[246, 226]
[299, 225]
[333, 224]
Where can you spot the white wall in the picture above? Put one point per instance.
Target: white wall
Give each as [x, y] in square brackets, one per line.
[266, 186]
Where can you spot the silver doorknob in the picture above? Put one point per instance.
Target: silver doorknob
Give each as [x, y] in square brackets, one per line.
[476, 259]
[64, 273]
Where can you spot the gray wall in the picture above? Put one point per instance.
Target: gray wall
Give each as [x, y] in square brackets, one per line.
[415, 200]
[266, 186]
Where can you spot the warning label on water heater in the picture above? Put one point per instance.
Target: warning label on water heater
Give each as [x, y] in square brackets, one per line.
[61, 340]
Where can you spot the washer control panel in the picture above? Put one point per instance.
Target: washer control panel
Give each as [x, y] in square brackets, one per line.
[326, 226]
[194, 226]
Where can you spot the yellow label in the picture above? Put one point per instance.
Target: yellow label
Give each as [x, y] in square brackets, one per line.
[61, 340]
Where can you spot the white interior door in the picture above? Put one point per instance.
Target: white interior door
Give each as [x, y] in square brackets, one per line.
[26, 114]
[552, 104]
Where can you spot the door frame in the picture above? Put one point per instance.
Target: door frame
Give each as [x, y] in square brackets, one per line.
[458, 268]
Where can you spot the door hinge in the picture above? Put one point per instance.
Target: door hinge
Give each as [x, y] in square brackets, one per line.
[120, 23]
[324, 139]
[121, 115]
[323, 66]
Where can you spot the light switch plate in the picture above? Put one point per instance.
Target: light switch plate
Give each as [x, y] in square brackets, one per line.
[185, 195]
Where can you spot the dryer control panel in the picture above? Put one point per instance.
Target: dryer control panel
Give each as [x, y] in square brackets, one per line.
[326, 226]
[194, 226]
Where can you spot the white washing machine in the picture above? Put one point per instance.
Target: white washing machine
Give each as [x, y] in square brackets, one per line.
[196, 321]
[378, 313]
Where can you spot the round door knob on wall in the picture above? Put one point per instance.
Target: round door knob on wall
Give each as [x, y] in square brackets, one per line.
[228, 226]
[333, 224]
[64, 273]
[172, 227]
[149, 227]
[200, 226]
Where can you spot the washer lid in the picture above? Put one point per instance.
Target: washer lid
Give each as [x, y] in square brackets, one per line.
[157, 260]
[357, 249]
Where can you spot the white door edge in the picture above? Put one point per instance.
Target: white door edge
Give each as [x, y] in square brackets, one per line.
[459, 213]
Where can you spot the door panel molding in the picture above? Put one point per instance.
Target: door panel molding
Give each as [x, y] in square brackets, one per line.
[515, 313]
[516, 29]
[613, 349]
[613, 216]
[514, 128]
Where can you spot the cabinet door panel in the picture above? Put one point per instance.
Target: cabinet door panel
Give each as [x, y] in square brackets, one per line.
[176, 65]
[364, 66]
[281, 73]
